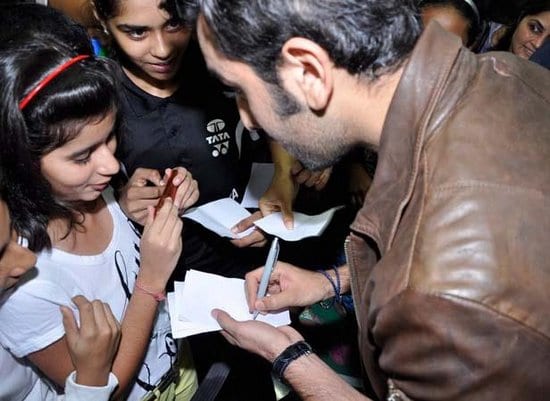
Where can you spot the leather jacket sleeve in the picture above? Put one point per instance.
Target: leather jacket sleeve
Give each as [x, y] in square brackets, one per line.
[440, 347]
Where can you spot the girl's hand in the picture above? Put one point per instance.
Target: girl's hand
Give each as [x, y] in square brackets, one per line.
[188, 189]
[93, 345]
[161, 246]
[254, 239]
[138, 194]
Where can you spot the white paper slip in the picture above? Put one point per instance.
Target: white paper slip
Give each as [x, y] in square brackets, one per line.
[203, 292]
[261, 175]
[304, 225]
[183, 328]
[220, 216]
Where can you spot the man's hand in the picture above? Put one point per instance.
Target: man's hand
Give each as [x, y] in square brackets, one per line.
[257, 337]
[288, 286]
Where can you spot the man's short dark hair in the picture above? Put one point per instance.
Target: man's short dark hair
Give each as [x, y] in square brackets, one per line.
[366, 37]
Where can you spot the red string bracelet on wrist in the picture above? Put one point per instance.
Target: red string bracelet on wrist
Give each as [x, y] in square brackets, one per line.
[158, 296]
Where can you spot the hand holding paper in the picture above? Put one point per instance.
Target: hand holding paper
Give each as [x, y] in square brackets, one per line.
[193, 301]
[221, 215]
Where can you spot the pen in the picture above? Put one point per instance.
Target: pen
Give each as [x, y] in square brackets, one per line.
[268, 269]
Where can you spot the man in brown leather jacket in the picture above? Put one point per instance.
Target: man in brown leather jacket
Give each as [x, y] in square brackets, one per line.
[449, 257]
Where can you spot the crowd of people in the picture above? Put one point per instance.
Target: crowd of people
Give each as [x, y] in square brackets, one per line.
[427, 119]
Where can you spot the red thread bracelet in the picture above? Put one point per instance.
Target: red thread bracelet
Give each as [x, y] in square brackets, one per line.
[158, 296]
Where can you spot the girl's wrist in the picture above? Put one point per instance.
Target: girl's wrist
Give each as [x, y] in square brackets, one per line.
[150, 283]
[158, 296]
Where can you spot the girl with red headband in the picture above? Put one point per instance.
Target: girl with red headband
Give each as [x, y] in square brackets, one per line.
[64, 108]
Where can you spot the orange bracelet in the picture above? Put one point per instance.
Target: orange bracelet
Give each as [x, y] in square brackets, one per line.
[158, 296]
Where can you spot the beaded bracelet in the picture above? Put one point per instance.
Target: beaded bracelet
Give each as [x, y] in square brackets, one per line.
[335, 286]
[338, 285]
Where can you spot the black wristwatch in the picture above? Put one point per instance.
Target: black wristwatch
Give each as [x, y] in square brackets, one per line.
[291, 353]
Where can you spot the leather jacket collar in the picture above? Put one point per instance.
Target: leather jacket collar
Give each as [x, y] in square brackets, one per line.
[424, 78]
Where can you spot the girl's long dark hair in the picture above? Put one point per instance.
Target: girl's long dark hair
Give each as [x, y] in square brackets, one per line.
[84, 93]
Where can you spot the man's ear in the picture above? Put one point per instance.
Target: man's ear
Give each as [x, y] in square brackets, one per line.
[308, 67]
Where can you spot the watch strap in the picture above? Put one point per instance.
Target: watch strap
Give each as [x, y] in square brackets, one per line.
[290, 354]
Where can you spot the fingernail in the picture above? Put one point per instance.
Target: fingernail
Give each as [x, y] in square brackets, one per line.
[214, 313]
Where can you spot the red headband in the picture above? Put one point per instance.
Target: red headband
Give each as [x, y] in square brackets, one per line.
[23, 103]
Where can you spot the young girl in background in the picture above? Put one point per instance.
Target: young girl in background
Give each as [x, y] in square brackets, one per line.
[63, 107]
[176, 115]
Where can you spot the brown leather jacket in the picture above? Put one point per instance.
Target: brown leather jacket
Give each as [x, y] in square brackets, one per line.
[450, 254]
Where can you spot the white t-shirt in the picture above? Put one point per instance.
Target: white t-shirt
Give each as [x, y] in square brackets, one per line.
[20, 383]
[30, 319]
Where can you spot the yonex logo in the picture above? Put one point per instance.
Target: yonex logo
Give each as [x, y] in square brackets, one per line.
[220, 148]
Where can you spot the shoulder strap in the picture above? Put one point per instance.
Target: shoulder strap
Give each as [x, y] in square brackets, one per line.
[212, 382]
